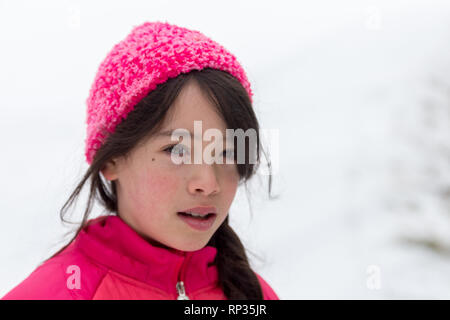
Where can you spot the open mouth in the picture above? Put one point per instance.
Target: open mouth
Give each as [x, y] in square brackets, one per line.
[199, 222]
[196, 216]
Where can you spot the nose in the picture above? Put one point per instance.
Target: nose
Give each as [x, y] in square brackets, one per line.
[204, 181]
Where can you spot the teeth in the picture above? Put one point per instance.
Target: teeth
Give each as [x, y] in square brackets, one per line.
[194, 214]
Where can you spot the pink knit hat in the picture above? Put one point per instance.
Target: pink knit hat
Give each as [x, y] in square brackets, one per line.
[151, 54]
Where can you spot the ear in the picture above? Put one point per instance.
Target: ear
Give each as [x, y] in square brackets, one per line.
[110, 170]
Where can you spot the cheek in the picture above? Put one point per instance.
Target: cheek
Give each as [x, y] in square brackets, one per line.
[154, 190]
[231, 190]
[229, 186]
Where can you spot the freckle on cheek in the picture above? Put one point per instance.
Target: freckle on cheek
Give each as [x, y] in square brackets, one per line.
[153, 159]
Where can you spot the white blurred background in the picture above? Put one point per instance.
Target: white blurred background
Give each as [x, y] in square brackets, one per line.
[360, 94]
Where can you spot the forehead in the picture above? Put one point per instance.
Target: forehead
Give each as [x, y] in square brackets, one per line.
[191, 105]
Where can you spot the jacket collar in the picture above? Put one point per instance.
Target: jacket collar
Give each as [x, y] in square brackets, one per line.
[111, 242]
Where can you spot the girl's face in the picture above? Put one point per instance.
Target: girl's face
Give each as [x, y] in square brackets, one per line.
[152, 189]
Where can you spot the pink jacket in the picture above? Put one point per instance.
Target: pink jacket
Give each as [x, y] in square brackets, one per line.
[109, 260]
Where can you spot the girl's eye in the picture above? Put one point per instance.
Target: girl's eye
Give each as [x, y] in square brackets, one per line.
[229, 153]
[176, 148]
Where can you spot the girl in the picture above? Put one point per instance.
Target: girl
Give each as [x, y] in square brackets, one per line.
[166, 233]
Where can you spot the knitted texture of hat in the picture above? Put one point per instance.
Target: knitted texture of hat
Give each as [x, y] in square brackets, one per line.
[151, 54]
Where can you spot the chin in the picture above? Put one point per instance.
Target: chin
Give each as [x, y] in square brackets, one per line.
[193, 246]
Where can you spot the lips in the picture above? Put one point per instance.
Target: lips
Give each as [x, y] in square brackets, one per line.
[200, 211]
[199, 218]
[193, 215]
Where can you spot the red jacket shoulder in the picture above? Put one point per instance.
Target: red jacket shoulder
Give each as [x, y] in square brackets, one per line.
[67, 276]
[268, 292]
[46, 282]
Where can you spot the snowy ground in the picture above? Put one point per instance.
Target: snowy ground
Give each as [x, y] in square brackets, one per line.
[361, 160]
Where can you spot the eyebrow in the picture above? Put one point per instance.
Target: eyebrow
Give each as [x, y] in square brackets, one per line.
[168, 133]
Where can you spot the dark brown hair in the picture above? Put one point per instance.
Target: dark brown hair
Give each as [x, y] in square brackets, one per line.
[226, 93]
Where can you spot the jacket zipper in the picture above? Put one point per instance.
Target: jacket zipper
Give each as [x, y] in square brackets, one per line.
[181, 292]
[180, 283]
